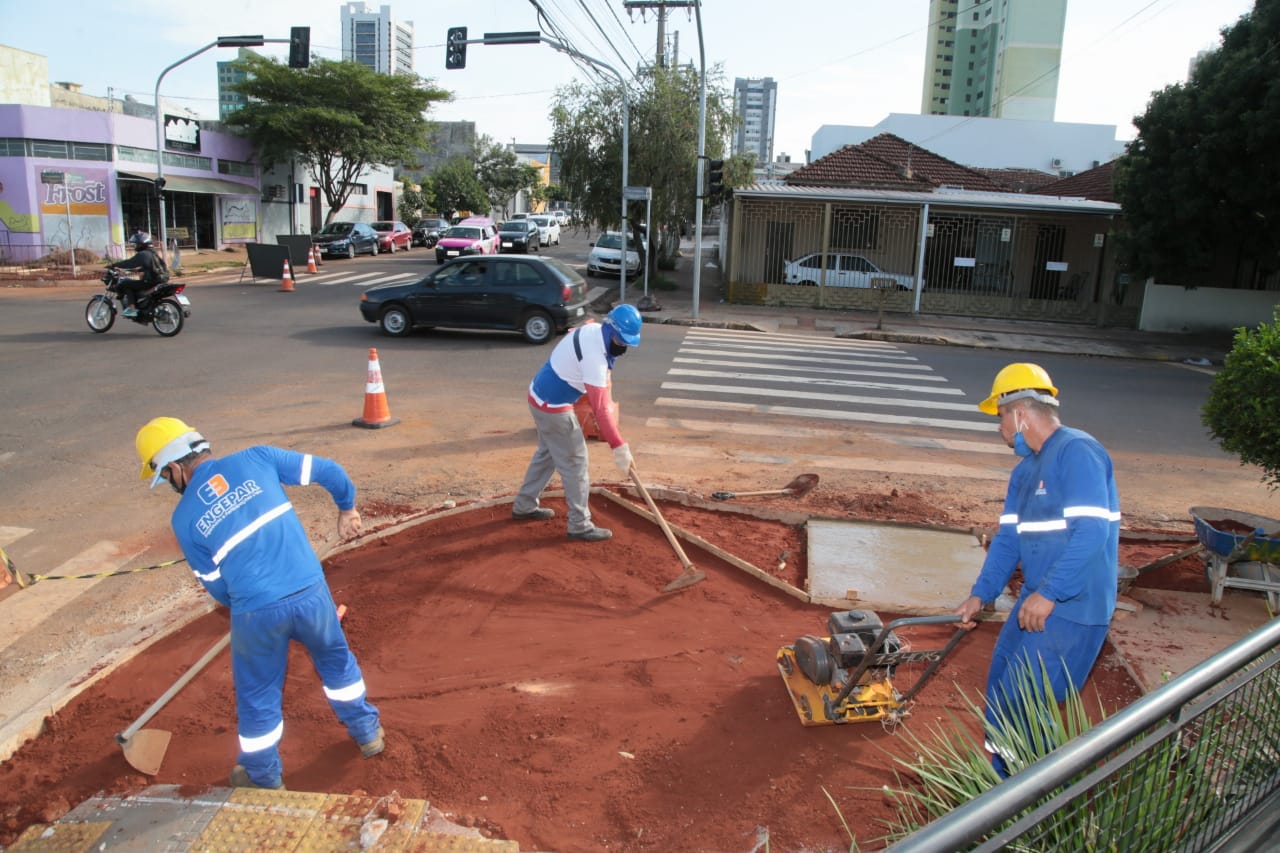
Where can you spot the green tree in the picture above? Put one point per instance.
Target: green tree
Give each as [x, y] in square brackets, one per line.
[1245, 397]
[455, 187]
[337, 118]
[501, 173]
[663, 135]
[412, 202]
[1198, 183]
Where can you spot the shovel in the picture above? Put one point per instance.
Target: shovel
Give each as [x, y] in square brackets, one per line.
[690, 575]
[143, 748]
[797, 488]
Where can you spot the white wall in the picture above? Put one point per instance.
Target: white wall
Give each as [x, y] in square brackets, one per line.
[1174, 308]
[24, 77]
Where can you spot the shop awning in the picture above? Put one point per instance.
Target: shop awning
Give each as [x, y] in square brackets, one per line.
[187, 184]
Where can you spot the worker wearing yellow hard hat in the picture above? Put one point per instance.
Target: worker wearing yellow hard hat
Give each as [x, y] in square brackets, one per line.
[1061, 527]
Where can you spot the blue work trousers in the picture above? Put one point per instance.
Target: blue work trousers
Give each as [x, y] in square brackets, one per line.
[259, 660]
[1067, 649]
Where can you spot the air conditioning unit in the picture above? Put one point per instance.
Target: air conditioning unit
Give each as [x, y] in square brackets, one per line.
[1055, 163]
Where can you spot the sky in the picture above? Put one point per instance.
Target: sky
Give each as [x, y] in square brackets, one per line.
[836, 62]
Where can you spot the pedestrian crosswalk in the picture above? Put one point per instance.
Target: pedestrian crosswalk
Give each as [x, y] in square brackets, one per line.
[723, 380]
[358, 279]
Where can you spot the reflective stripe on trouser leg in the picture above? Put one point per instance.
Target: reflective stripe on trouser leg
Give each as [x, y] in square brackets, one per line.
[316, 626]
[259, 656]
[561, 448]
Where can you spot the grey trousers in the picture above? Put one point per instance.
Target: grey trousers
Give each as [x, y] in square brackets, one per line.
[561, 448]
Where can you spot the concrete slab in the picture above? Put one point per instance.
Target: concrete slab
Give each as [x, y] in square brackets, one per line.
[891, 568]
[1175, 631]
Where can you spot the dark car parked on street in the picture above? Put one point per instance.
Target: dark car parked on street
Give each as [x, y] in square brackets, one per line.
[533, 295]
[346, 239]
[518, 235]
[427, 232]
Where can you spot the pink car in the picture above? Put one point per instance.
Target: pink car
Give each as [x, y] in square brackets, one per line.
[477, 235]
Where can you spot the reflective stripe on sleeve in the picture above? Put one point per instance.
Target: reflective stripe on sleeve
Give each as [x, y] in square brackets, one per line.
[211, 577]
[261, 742]
[1010, 518]
[249, 530]
[1091, 512]
[1042, 526]
[306, 470]
[345, 694]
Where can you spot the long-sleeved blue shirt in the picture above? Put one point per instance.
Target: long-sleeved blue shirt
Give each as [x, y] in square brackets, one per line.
[239, 531]
[1061, 521]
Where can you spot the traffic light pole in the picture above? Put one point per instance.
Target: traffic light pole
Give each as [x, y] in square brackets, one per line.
[535, 36]
[702, 150]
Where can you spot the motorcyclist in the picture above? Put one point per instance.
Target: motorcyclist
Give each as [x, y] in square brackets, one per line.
[145, 260]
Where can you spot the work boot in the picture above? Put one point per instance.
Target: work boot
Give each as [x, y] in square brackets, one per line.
[541, 513]
[375, 746]
[240, 779]
[594, 534]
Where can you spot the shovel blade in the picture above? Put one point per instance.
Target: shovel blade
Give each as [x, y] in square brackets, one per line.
[688, 578]
[145, 750]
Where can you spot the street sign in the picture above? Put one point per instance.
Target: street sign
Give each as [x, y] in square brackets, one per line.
[637, 193]
[52, 176]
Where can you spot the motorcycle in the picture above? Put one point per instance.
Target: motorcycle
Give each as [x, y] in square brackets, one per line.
[163, 306]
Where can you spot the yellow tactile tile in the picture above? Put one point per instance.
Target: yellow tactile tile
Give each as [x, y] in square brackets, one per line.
[342, 818]
[59, 837]
[260, 819]
[435, 842]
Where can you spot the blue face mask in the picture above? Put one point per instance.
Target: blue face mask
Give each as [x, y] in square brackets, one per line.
[1020, 445]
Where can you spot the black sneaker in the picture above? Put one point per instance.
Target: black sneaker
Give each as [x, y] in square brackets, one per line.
[541, 513]
[595, 534]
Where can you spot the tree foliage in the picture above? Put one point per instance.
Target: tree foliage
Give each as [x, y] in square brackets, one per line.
[454, 187]
[1198, 183]
[1245, 397]
[663, 140]
[412, 203]
[336, 118]
[502, 174]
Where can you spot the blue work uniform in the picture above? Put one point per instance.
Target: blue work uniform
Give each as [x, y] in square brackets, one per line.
[1061, 523]
[248, 548]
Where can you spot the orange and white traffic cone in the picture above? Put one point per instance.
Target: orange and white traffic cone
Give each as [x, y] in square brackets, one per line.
[311, 259]
[286, 279]
[377, 414]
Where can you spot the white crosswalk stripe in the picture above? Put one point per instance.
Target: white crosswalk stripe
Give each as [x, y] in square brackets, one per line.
[747, 374]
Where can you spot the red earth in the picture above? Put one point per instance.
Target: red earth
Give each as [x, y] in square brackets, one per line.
[547, 692]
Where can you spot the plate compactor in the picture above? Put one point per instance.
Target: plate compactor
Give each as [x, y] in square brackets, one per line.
[848, 676]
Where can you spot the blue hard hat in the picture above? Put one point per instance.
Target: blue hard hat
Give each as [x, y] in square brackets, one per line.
[626, 321]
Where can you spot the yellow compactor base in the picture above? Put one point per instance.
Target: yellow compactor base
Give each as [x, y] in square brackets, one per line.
[870, 701]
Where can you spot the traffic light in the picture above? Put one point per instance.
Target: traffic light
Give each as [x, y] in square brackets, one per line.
[715, 178]
[300, 47]
[455, 48]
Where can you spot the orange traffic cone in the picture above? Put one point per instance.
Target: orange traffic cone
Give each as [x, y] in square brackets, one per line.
[376, 412]
[286, 279]
[311, 259]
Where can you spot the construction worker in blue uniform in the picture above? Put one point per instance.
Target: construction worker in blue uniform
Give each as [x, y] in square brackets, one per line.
[1061, 526]
[579, 365]
[246, 545]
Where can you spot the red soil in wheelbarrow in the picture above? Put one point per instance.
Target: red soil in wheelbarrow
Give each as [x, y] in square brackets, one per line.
[543, 691]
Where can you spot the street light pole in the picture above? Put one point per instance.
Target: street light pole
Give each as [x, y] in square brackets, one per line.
[702, 163]
[535, 36]
[222, 41]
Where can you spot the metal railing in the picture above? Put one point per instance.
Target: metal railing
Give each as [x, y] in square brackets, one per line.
[1178, 770]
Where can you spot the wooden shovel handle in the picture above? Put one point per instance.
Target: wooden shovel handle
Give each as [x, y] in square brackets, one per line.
[662, 522]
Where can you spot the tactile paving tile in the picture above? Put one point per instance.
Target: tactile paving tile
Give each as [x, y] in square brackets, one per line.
[260, 819]
[342, 817]
[435, 842]
[60, 837]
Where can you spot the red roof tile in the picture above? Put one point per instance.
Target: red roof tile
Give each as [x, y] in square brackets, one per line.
[1095, 184]
[887, 161]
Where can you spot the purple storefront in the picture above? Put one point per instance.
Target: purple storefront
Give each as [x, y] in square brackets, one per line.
[87, 178]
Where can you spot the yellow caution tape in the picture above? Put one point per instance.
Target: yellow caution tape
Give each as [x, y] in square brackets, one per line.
[35, 578]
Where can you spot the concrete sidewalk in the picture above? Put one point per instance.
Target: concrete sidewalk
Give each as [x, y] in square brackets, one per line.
[676, 307]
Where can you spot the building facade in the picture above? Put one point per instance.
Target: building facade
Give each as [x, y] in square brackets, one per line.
[755, 105]
[229, 74]
[377, 39]
[994, 58]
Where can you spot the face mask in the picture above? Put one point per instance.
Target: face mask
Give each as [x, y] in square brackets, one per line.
[173, 485]
[616, 349]
[1020, 446]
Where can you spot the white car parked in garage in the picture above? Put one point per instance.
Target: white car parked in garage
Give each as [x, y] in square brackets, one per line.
[843, 270]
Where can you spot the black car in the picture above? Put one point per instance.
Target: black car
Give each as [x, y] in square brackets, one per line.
[533, 295]
[346, 239]
[428, 231]
[518, 235]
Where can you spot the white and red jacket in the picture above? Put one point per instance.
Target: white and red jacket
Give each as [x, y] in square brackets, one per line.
[578, 365]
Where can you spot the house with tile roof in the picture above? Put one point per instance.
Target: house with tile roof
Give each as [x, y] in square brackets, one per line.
[887, 224]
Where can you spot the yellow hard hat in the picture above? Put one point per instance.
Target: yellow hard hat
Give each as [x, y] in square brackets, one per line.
[165, 440]
[1020, 376]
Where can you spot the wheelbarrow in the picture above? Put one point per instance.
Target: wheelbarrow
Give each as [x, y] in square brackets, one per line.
[1243, 551]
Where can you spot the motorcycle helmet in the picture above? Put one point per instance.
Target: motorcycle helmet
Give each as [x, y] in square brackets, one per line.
[165, 440]
[625, 321]
[140, 241]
